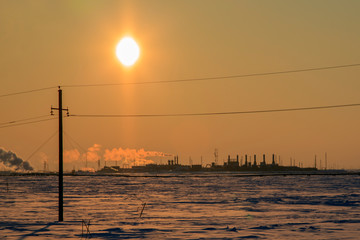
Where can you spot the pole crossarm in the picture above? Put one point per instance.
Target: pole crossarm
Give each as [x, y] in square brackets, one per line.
[58, 109]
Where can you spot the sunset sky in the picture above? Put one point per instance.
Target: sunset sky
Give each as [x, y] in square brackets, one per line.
[48, 43]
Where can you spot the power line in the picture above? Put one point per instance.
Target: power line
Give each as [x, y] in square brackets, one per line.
[73, 140]
[29, 91]
[81, 148]
[216, 78]
[19, 124]
[43, 144]
[188, 79]
[22, 120]
[213, 113]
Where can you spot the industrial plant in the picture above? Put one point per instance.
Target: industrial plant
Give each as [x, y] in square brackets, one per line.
[232, 164]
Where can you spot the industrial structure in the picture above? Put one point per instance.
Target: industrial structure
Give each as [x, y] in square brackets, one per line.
[232, 164]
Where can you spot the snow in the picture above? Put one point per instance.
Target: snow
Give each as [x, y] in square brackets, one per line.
[182, 206]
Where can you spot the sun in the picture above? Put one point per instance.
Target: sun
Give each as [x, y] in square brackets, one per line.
[127, 51]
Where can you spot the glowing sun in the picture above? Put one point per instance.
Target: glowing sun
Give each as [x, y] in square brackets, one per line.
[127, 51]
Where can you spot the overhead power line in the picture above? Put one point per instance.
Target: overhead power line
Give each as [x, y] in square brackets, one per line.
[23, 120]
[76, 143]
[29, 91]
[25, 123]
[189, 79]
[213, 113]
[43, 144]
[217, 77]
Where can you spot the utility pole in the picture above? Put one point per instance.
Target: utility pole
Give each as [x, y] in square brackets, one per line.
[61, 172]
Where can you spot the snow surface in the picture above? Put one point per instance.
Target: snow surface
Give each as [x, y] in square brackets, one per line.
[183, 206]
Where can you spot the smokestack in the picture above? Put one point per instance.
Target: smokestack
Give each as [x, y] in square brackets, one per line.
[273, 159]
[264, 159]
[228, 158]
[237, 158]
[246, 162]
[254, 160]
[325, 161]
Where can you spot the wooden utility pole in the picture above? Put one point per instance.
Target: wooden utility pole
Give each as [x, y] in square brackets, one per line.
[61, 172]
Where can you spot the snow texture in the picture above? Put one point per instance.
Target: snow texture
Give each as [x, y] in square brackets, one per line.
[183, 206]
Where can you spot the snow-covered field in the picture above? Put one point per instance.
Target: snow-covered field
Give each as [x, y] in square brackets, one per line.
[211, 206]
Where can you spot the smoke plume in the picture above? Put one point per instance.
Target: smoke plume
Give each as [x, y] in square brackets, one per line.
[71, 155]
[10, 160]
[132, 157]
[123, 156]
[92, 155]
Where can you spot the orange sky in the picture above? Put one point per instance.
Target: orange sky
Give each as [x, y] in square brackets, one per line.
[50, 43]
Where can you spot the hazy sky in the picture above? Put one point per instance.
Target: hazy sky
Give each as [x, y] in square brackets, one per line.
[50, 43]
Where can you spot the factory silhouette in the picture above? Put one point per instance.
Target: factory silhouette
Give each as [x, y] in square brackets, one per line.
[232, 164]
